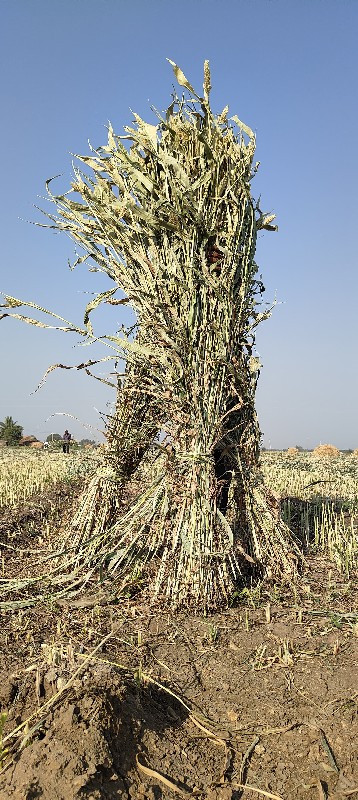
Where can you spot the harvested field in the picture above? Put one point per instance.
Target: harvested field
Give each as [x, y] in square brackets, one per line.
[26, 474]
[125, 700]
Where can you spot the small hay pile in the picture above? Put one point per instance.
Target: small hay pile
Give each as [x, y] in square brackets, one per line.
[167, 214]
[292, 451]
[326, 451]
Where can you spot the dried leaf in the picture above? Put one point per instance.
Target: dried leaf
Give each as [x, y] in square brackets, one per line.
[152, 773]
[243, 127]
[182, 80]
[103, 297]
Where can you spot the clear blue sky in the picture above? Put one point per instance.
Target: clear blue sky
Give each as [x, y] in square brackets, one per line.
[288, 68]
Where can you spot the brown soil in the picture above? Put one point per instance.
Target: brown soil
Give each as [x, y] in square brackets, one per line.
[262, 695]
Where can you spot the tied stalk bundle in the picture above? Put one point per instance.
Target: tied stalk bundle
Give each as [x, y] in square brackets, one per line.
[167, 214]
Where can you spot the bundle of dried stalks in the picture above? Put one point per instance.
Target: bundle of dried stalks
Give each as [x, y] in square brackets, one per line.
[167, 214]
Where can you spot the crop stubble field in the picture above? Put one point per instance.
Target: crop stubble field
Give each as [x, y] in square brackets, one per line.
[24, 472]
[123, 700]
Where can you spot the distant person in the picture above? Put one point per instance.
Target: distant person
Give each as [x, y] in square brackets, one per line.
[66, 441]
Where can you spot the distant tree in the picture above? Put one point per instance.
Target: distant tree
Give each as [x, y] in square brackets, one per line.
[54, 437]
[83, 442]
[10, 431]
[299, 448]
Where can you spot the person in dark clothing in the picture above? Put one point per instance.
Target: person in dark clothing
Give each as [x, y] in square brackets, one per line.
[66, 441]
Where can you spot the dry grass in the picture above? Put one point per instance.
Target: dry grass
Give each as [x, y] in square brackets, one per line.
[319, 500]
[25, 472]
[326, 451]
